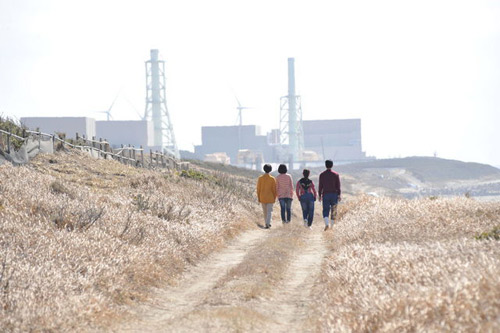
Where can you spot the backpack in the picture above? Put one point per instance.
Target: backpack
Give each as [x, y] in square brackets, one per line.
[306, 184]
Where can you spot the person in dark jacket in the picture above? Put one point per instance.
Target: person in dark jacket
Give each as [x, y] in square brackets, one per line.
[307, 196]
[329, 192]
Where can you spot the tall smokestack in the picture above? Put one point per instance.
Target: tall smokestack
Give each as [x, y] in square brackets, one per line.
[156, 105]
[156, 100]
[291, 132]
[292, 111]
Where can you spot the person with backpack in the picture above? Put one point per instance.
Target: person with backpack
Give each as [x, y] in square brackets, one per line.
[284, 190]
[266, 193]
[307, 196]
[329, 192]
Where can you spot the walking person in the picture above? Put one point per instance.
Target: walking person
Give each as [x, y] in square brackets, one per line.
[266, 193]
[306, 192]
[284, 189]
[329, 192]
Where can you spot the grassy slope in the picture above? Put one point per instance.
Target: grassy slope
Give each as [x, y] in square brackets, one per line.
[80, 237]
[411, 265]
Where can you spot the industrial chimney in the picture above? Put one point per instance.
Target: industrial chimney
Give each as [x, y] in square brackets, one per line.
[156, 105]
[291, 118]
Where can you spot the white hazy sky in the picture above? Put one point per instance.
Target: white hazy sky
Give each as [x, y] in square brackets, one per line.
[423, 76]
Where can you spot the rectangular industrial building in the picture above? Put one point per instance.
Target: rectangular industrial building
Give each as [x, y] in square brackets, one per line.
[127, 132]
[68, 125]
[230, 139]
[337, 139]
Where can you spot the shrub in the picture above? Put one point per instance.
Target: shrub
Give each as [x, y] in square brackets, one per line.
[492, 234]
[13, 127]
[194, 174]
[58, 188]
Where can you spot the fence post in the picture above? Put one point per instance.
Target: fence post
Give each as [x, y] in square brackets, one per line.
[54, 142]
[151, 156]
[76, 137]
[8, 143]
[157, 159]
[106, 147]
[39, 140]
[100, 149]
[142, 156]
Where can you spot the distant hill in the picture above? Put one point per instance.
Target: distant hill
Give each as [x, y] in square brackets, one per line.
[427, 169]
[416, 177]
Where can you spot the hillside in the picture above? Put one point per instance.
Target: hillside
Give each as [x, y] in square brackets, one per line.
[428, 169]
[420, 177]
[80, 238]
[92, 245]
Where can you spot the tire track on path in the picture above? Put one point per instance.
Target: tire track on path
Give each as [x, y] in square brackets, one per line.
[175, 301]
[290, 304]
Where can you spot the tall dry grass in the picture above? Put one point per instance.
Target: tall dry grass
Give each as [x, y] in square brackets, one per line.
[81, 238]
[411, 266]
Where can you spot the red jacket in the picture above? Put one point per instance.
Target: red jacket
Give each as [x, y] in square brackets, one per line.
[329, 182]
[299, 190]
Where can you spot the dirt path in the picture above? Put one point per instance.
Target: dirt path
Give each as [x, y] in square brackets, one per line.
[290, 305]
[187, 306]
[178, 300]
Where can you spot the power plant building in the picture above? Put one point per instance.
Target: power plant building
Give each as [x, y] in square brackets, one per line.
[128, 132]
[336, 139]
[68, 125]
[116, 132]
[231, 139]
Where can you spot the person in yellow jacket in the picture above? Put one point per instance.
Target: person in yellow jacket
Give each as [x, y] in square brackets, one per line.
[266, 193]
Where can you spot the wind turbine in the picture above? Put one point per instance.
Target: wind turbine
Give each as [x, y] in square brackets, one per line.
[240, 119]
[240, 108]
[108, 111]
[141, 117]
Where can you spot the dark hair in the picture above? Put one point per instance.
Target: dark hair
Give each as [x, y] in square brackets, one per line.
[282, 168]
[268, 168]
[306, 173]
[329, 164]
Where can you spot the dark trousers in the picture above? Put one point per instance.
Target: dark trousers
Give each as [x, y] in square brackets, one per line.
[286, 209]
[330, 200]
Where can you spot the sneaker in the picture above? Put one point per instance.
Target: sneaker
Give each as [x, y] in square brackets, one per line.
[266, 227]
[326, 227]
[310, 228]
[305, 223]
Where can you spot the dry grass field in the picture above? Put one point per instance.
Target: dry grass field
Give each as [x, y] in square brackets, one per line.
[93, 245]
[81, 238]
[411, 266]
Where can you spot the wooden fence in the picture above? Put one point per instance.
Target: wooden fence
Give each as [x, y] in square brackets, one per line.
[101, 148]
